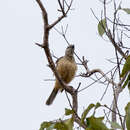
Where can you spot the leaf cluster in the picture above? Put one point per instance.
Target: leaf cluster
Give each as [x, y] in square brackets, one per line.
[91, 122]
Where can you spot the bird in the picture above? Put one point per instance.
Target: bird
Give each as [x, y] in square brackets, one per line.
[66, 68]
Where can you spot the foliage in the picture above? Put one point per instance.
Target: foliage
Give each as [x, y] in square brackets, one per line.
[102, 27]
[96, 123]
[91, 122]
[127, 110]
[126, 67]
[86, 111]
[127, 82]
[61, 125]
[127, 10]
[68, 111]
[115, 125]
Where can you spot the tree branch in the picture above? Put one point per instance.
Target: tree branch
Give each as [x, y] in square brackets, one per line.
[45, 46]
[64, 14]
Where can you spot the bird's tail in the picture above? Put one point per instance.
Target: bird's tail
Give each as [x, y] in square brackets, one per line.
[52, 96]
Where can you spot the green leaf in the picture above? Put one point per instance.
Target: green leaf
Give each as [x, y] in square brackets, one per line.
[127, 10]
[102, 27]
[127, 110]
[45, 125]
[129, 86]
[88, 129]
[126, 67]
[115, 125]
[96, 123]
[51, 127]
[84, 114]
[69, 123]
[68, 112]
[96, 106]
[60, 126]
[126, 82]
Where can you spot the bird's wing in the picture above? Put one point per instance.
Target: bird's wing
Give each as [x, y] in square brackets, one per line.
[58, 60]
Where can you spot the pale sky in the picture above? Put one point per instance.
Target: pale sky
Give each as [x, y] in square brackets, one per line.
[23, 91]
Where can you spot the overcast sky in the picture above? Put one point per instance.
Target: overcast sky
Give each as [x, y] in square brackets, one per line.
[23, 66]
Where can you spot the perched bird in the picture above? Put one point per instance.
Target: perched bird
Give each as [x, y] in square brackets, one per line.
[66, 68]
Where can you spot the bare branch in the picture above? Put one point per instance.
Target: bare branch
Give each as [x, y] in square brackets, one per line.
[62, 7]
[103, 75]
[64, 14]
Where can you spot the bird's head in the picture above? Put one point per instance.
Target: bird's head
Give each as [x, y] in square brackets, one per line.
[69, 51]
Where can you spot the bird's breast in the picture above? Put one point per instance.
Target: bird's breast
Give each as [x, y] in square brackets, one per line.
[66, 69]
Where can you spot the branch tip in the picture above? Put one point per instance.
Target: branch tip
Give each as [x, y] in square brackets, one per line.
[40, 45]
